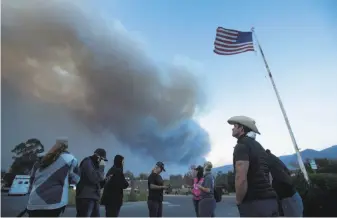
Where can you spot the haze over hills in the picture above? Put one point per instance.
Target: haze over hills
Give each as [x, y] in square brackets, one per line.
[330, 153]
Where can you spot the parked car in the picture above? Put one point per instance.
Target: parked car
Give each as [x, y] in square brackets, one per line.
[20, 185]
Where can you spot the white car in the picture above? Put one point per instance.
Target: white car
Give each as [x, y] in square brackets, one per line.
[20, 185]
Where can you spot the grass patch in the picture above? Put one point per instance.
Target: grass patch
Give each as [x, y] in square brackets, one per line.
[140, 196]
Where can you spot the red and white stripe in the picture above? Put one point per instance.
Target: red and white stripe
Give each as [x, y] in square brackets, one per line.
[225, 43]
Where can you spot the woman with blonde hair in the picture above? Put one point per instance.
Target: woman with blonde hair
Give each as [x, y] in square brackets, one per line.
[50, 181]
[207, 203]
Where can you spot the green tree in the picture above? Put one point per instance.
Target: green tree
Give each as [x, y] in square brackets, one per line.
[188, 179]
[143, 176]
[221, 179]
[176, 181]
[25, 155]
[326, 166]
[231, 181]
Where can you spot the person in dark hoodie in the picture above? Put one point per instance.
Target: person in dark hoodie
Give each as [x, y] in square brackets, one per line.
[291, 201]
[112, 197]
[88, 190]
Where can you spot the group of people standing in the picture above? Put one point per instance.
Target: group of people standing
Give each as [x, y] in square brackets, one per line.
[262, 182]
[203, 191]
[51, 177]
[88, 189]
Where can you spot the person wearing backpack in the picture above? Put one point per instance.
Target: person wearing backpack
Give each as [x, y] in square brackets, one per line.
[207, 203]
[199, 178]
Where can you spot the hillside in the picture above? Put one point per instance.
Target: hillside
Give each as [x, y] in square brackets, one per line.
[330, 153]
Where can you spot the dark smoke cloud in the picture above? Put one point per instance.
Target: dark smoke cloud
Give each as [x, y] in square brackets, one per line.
[61, 55]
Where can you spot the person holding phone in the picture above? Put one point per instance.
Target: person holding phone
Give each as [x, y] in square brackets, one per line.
[112, 197]
[156, 188]
[88, 190]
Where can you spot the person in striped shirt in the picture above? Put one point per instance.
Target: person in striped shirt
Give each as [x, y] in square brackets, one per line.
[50, 181]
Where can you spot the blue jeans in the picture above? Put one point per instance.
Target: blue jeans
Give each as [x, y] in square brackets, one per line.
[293, 206]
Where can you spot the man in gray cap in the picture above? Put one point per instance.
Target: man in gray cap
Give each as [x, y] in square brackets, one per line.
[88, 190]
[254, 194]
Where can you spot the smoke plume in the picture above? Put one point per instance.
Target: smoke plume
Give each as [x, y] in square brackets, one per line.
[55, 52]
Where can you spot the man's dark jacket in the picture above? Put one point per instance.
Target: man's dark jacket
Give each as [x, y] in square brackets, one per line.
[282, 181]
[92, 179]
[113, 189]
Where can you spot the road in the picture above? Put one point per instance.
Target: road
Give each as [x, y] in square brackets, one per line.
[174, 206]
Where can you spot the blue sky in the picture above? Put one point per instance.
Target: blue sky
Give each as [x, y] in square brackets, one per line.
[298, 38]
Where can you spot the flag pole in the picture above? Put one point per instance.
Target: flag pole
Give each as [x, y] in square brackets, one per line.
[299, 158]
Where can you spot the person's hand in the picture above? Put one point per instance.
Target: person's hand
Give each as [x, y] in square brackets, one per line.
[165, 187]
[108, 177]
[198, 185]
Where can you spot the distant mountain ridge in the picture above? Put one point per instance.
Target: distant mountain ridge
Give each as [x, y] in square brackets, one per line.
[330, 153]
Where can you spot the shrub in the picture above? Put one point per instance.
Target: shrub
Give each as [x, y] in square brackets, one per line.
[320, 197]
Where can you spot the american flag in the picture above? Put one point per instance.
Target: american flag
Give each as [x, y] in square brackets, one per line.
[230, 42]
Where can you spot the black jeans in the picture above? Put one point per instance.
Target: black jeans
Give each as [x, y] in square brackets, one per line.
[196, 207]
[155, 208]
[112, 210]
[46, 213]
[259, 208]
[87, 207]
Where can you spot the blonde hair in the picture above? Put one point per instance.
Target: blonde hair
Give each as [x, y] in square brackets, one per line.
[208, 166]
[53, 154]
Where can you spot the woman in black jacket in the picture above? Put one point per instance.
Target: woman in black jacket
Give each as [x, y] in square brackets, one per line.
[112, 197]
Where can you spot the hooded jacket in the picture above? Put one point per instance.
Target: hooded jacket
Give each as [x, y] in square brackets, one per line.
[282, 182]
[113, 189]
[92, 179]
